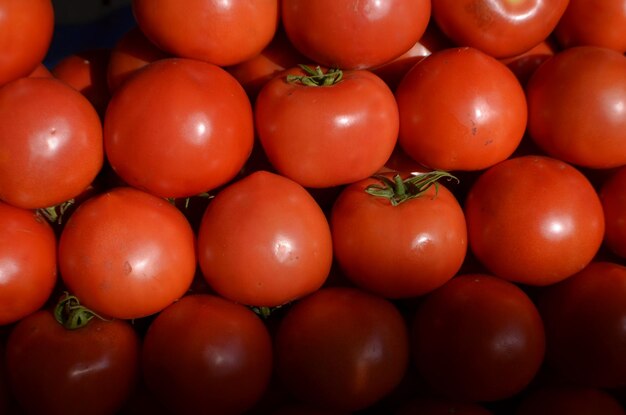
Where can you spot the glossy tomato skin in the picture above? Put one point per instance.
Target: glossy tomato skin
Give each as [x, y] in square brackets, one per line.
[354, 34]
[613, 197]
[478, 338]
[500, 28]
[28, 264]
[570, 400]
[341, 349]
[26, 27]
[575, 104]
[50, 141]
[460, 109]
[264, 241]
[120, 245]
[207, 355]
[583, 317]
[178, 128]
[93, 369]
[215, 31]
[534, 220]
[324, 136]
[398, 251]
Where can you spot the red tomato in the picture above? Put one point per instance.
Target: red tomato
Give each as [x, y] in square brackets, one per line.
[478, 338]
[534, 220]
[301, 125]
[525, 64]
[204, 354]
[53, 370]
[341, 349]
[460, 109]
[41, 71]
[403, 250]
[553, 400]
[26, 27]
[500, 28]
[585, 333]
[127, 254]
[50, 143]
[178, 128]
[592, 23]
[431, 406]
[613, 197]
[216, 31]
[354, 34]
[264, 241]
[28, 264]
[576, 105]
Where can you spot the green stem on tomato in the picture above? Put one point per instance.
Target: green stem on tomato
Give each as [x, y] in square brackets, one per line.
[71, 314]
[398, 190]
[316, 77]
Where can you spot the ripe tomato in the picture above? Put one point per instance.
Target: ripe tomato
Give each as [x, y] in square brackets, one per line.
[403, 250]
[585, 333]
[571, 400]
[341, 349]
[264, 241]
[26, 27]
[50, 142]
[534, 220]
[525, 64]
[127, 254]
[215, 31]
[354, 34]
[204, 354]
[178, 128]
[477, 338]
[613, 197]
[500, 28]
[460, 109]
[576, 108]
[301, 125]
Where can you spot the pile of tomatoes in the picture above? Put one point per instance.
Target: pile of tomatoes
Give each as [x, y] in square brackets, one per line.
[316, 207]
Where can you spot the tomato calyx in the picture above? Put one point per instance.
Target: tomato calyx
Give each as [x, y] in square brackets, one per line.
[71, 314]
[316, 76]
[55, 214]
[398, 190]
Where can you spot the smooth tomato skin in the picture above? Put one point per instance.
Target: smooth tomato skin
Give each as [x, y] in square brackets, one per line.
[220, 32]
[613, 198]
[583, 317]
[575, 107]
[398, 251]
[460, 109]
[93, 369]
[477, 338]
[119, 246]
[526, 63]
[28, 262]
[330, 135]
[50, 143]
[571, 400]
[26, 27]
[534, 220]
[207, 355]
[341, 349]
[500, 28]
[354, 34]
[178, 128]
[264, 241]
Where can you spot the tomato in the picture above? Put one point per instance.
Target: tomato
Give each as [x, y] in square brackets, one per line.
[26, 27]
[613, 197]
[460, 109]
[53, 370]
[534, 220]
[585, 334]
[216, 31]
[526, 63]
[570, 400]
[122, 244]
[432, 406]
[28, 264]
[500, 28]
[178, 128]
[398, 250]
[587, 23]
[341, 349]
[204, 354]
[576, 106]
[299, 125]
[354, 34]
[264, 241]
[50, 142]
[41, 71]
[477, 338]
